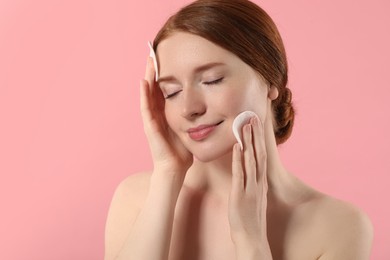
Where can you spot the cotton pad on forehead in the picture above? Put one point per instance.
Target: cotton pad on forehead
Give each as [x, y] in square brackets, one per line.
[240, 120]
[153, 55]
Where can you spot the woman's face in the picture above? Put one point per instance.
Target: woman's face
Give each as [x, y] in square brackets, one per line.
[206, 87]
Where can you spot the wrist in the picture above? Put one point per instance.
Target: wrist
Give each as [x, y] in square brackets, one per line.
[248, 253]
[166, 182]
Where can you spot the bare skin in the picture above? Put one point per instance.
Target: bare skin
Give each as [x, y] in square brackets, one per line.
[227, 204]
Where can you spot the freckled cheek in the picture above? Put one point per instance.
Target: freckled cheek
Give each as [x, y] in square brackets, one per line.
[236, 101]
[246, 99]
[233, 103]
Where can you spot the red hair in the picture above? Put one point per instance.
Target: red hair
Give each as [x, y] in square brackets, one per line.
[246, 30]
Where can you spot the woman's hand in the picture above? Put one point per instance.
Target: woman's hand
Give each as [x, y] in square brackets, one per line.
[248, 196]
[168, 153]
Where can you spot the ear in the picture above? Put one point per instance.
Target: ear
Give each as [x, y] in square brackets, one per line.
[273, 93]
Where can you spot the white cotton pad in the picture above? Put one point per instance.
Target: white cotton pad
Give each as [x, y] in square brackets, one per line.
[153, 55]
[240, 120]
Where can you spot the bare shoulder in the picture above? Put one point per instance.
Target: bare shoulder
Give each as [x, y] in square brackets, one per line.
[346, 230]
[135, 185]
[130, 193]
[125, 206]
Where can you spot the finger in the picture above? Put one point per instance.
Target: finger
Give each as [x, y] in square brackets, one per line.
[156, 96]
[249, 159]
[145, 102]
[151, 124]
[260, 150]
[238, 179]
[150, 74]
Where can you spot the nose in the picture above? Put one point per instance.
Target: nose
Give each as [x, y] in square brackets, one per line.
[193, 103]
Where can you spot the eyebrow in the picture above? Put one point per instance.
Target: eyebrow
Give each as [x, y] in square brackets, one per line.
[196, 70]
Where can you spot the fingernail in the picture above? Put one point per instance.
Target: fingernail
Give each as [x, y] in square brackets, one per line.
[249, 128]
[237, 147]
[254, 120]
[258, 121]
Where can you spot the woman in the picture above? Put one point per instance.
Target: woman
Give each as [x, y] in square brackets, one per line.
[206, 198]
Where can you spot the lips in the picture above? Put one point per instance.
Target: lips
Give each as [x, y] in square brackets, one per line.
[201, 132]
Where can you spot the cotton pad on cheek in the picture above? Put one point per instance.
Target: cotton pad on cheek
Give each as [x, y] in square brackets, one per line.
[153, 55]
[240, 120]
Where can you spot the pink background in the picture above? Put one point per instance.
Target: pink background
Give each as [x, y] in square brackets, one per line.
[71, 128]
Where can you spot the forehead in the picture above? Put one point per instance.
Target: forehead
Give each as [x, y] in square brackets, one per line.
[181, 51]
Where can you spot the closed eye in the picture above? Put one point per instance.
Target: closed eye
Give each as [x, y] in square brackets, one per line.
[213, 82]
[171, 95]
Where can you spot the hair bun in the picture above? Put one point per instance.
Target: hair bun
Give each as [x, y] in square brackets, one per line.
[284, 116]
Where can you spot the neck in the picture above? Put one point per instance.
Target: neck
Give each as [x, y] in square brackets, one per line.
[212, 177]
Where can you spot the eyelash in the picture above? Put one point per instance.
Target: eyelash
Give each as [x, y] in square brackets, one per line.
[171, 95]
[214, 82]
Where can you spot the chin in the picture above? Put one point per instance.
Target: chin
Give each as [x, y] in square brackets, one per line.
[212, 154]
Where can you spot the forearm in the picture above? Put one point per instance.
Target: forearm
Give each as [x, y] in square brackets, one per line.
[246, 250]
[150, 236]
[252, 254]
